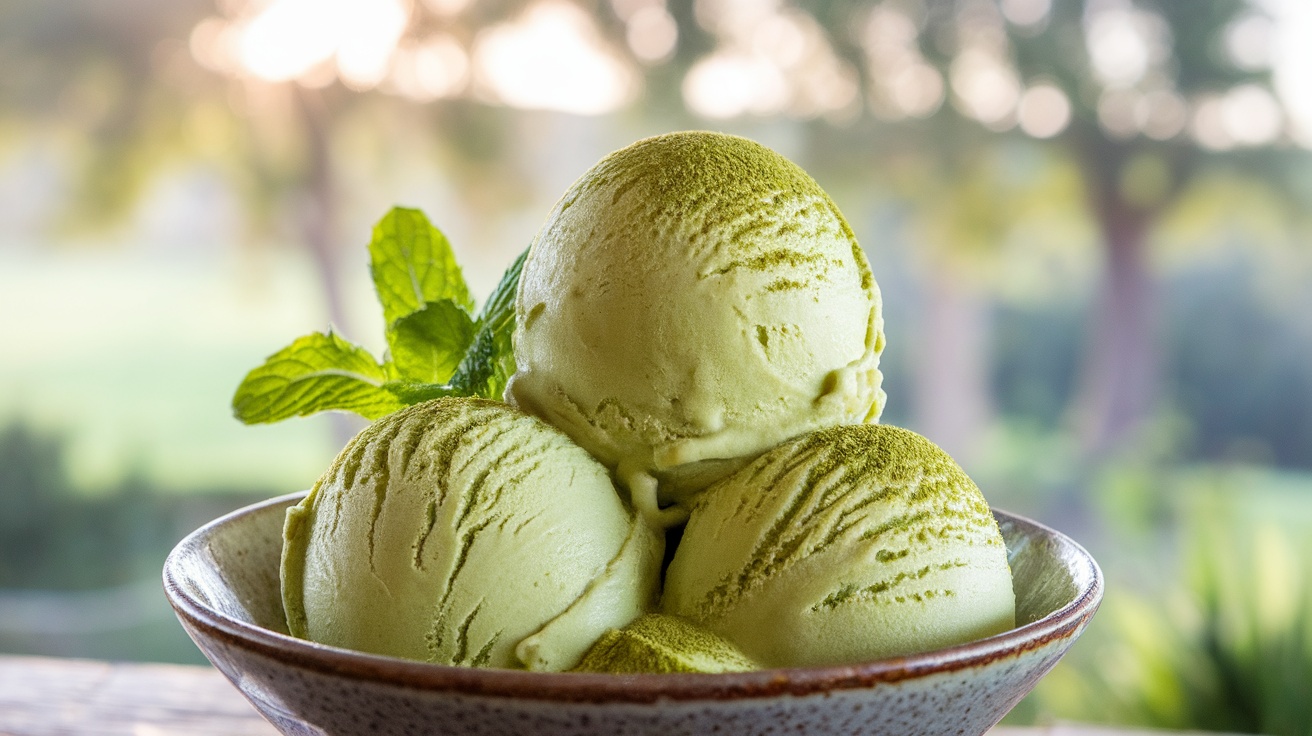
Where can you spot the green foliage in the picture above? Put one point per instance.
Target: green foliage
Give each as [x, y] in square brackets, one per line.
[435, 347]
[54, 538]
[429, 343]
[1239, 361]
[1220, 312]
[412, 264]
[317, 371]
[490, 362]
[1227, 648]
[61, 549]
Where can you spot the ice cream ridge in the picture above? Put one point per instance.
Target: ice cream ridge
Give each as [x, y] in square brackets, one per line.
[693, 300]
[696, 345]
[847, 544]
[463, 532]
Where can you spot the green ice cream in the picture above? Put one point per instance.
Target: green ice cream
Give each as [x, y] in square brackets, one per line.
[463, 532]
[692, 300]
[845, 545]
[662, 644]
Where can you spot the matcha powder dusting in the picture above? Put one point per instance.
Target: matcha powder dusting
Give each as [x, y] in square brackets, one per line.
[693, 300]
[663, 644]
[848, 544]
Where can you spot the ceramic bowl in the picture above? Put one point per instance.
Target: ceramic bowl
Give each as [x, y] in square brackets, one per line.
[222, 581]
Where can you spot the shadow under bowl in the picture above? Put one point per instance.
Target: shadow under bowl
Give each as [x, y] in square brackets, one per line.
[222, 581]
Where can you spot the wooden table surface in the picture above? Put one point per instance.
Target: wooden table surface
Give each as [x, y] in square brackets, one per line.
[52, 697]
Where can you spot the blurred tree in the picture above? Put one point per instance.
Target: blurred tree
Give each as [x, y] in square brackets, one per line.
[131, 91]
[432, 80]
[1221, 642]
[1139, 95]
[85, 71]
[1156, 97]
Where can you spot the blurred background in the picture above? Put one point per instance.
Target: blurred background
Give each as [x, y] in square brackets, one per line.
[1091, 221]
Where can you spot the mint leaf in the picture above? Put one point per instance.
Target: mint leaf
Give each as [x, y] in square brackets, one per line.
[436, 348]
[427, 345]
[490, 362]
[315, 373]
[412, 264]
[412, 392]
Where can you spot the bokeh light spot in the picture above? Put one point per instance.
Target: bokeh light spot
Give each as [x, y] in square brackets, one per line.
[1044, 111]
[1026, 12]
[551, 58]
[652, 33]
[1251, 116]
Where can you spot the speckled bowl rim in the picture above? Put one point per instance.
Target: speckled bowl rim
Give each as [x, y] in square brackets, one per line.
[1067, 621]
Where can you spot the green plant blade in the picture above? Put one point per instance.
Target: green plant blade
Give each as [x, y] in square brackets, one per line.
[411, 392]
[412, 264]
[429, 344]
[490, 362]
[317, 372]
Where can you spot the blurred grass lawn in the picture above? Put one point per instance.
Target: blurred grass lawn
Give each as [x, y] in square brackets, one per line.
[134, 360]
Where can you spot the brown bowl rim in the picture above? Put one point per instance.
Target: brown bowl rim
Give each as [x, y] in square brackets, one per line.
[203, 620]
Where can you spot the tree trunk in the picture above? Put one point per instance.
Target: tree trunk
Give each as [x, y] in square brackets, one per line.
[952, 397]
[317, 219]
[1119, 377]
[317, 215]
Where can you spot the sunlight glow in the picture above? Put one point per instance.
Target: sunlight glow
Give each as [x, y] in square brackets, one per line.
[1247, 115]
[363, 54]
[889, 31]
[917, 90]
[1026, 12]
[1124, 43]
[1293, 65]
[552, 58]
[1117, 112]
[447, 8]
[1249, 42]
[1162, 114]
[1251, 116]
[728, 17]
[652, 34]
[211, 44]
[1044, 111]
[1208, 124]
[728, 84]
[286, 39]
[902, 82]
[437, 68]
[771, 60]
[986, 87]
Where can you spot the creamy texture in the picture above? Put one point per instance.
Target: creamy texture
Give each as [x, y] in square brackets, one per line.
[662, 644]
[464, 532]
[847, 544]
[692, 300]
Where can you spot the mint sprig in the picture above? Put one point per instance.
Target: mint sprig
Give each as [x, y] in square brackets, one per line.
[435, 347]
[490, 361]
[428, 345]
[412, 264]
[315, 372]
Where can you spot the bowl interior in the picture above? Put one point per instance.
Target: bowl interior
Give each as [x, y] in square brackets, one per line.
[232, 566]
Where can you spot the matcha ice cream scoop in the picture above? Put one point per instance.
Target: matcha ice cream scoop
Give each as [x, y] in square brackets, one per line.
[662, 644]
[464, 532]
[692, 300]
[844, 545]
